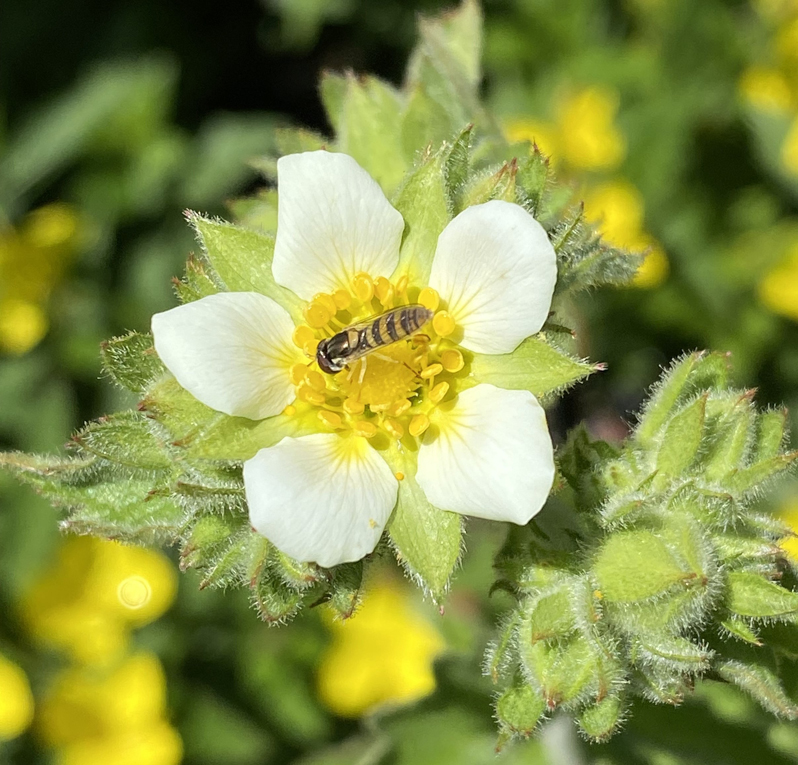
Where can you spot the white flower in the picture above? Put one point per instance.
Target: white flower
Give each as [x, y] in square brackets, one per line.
[326, 497]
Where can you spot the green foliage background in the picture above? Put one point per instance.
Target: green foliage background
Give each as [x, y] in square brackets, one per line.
[130, 143]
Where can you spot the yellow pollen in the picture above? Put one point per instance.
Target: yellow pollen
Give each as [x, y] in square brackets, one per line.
[438, 392]
[429, 298]
[372, 523]
[353, 406]
[366, 429]
[394, 428]
[383, 289]
[330, 418]
[327, 301]
[452, 360]
[420, 339]
[303, 335]
[443, 323]
[315, 380]
[317, 314]
[418, 425]
[308, 395]
[363, 287]
[431, 371]
[399, 475]
[289, 410]
[401, 285]
[298, 373]
[398, 408]
[342, 299]
[598, 594]
[382, 377]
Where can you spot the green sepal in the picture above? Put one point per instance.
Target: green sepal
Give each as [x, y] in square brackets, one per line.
[332, 90]
[771, 434]
[131, 362]
[739, 629]
[427, 541]
[258, 212]
[535, 365]
[196, 283]
[492, 185]
[598, 722]
[751, 595]
[299, 576]
[520, 709]
[242, 259]
[761, 684]
[547, 616]
[275, 601]
[681, 440]
[671, 652]
[345, 588]
[533, 181]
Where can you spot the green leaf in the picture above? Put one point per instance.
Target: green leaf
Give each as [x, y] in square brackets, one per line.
[424, 123]
[332, 89]
[681, 439]
[427, 541]
[520, 708]
[754, 596]
[536, 365]
[242, 258]
[761, 684]
[131, 362]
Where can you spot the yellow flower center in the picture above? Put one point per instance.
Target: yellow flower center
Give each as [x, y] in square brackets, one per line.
[391, 390]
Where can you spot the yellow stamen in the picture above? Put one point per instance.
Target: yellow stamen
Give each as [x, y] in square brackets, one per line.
[303, 335]
[452, 360]
[315, 380]
[438, 392]
[398, 408]
[399, 475]
[366, 429]
[401, 285]
[327, 301]
[330, 418]
[289, 410]
[309, 396]
[353, 406]
[431, 371]
[383, 289]
[418, 425]
[394, 428]
[317, 314]
[298, 373]
[363, 287]
[342, 299]
[443, 323]
[429, 298]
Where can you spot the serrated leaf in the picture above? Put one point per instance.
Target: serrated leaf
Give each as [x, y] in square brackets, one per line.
[427, 541]
[242, 258]
[761, 684]
[536, 365]
[131, 362]
[681, 439]
[754, 596]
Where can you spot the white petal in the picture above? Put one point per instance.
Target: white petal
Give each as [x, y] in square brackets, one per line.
[490, 456]
[320, 499]
[496, 268]
[333, 221]
[232, 351]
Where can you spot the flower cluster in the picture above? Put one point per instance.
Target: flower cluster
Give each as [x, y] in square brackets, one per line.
[324, 492]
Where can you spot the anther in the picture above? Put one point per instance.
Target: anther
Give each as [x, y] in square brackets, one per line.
[438, 392]
[393, 428]
[317, 314]
[418, 425]
[353, 406]
[443, 323]
[431, 371]
[298, 373]
[429, 298]
[307, 394]
[363, 287]
[327, 301]
[366, 429]
[452, 360]
[315, 380]
[289, 410]
[331, 419]
[303, 335]
[342, 299]
[400, 476]
[398, 408]
[401, 285]
[383, 289]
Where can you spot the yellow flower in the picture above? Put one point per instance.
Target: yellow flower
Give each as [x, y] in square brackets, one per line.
[789, 149]
[158, 744]
[16, 700]
[96, 590]
[766, 89]
[381, 656]
[544, 134]
[779, 289]
[589, 138]
[32, 260]
[789, 513]
[617, 207]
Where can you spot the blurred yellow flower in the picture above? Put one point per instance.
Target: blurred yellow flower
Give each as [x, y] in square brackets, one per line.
[766, 89]
[544, 134]
[589, 139]
[779, 289]
[94, 593]
[32, 261]
[382, 656]
[16, 700]
[789, 149]
[618, 209]
[789, 513]
[116, 717]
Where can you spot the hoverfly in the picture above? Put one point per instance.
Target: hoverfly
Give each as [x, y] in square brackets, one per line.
[358, 340]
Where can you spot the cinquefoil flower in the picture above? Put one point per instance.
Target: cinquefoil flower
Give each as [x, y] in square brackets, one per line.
[325, 491]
